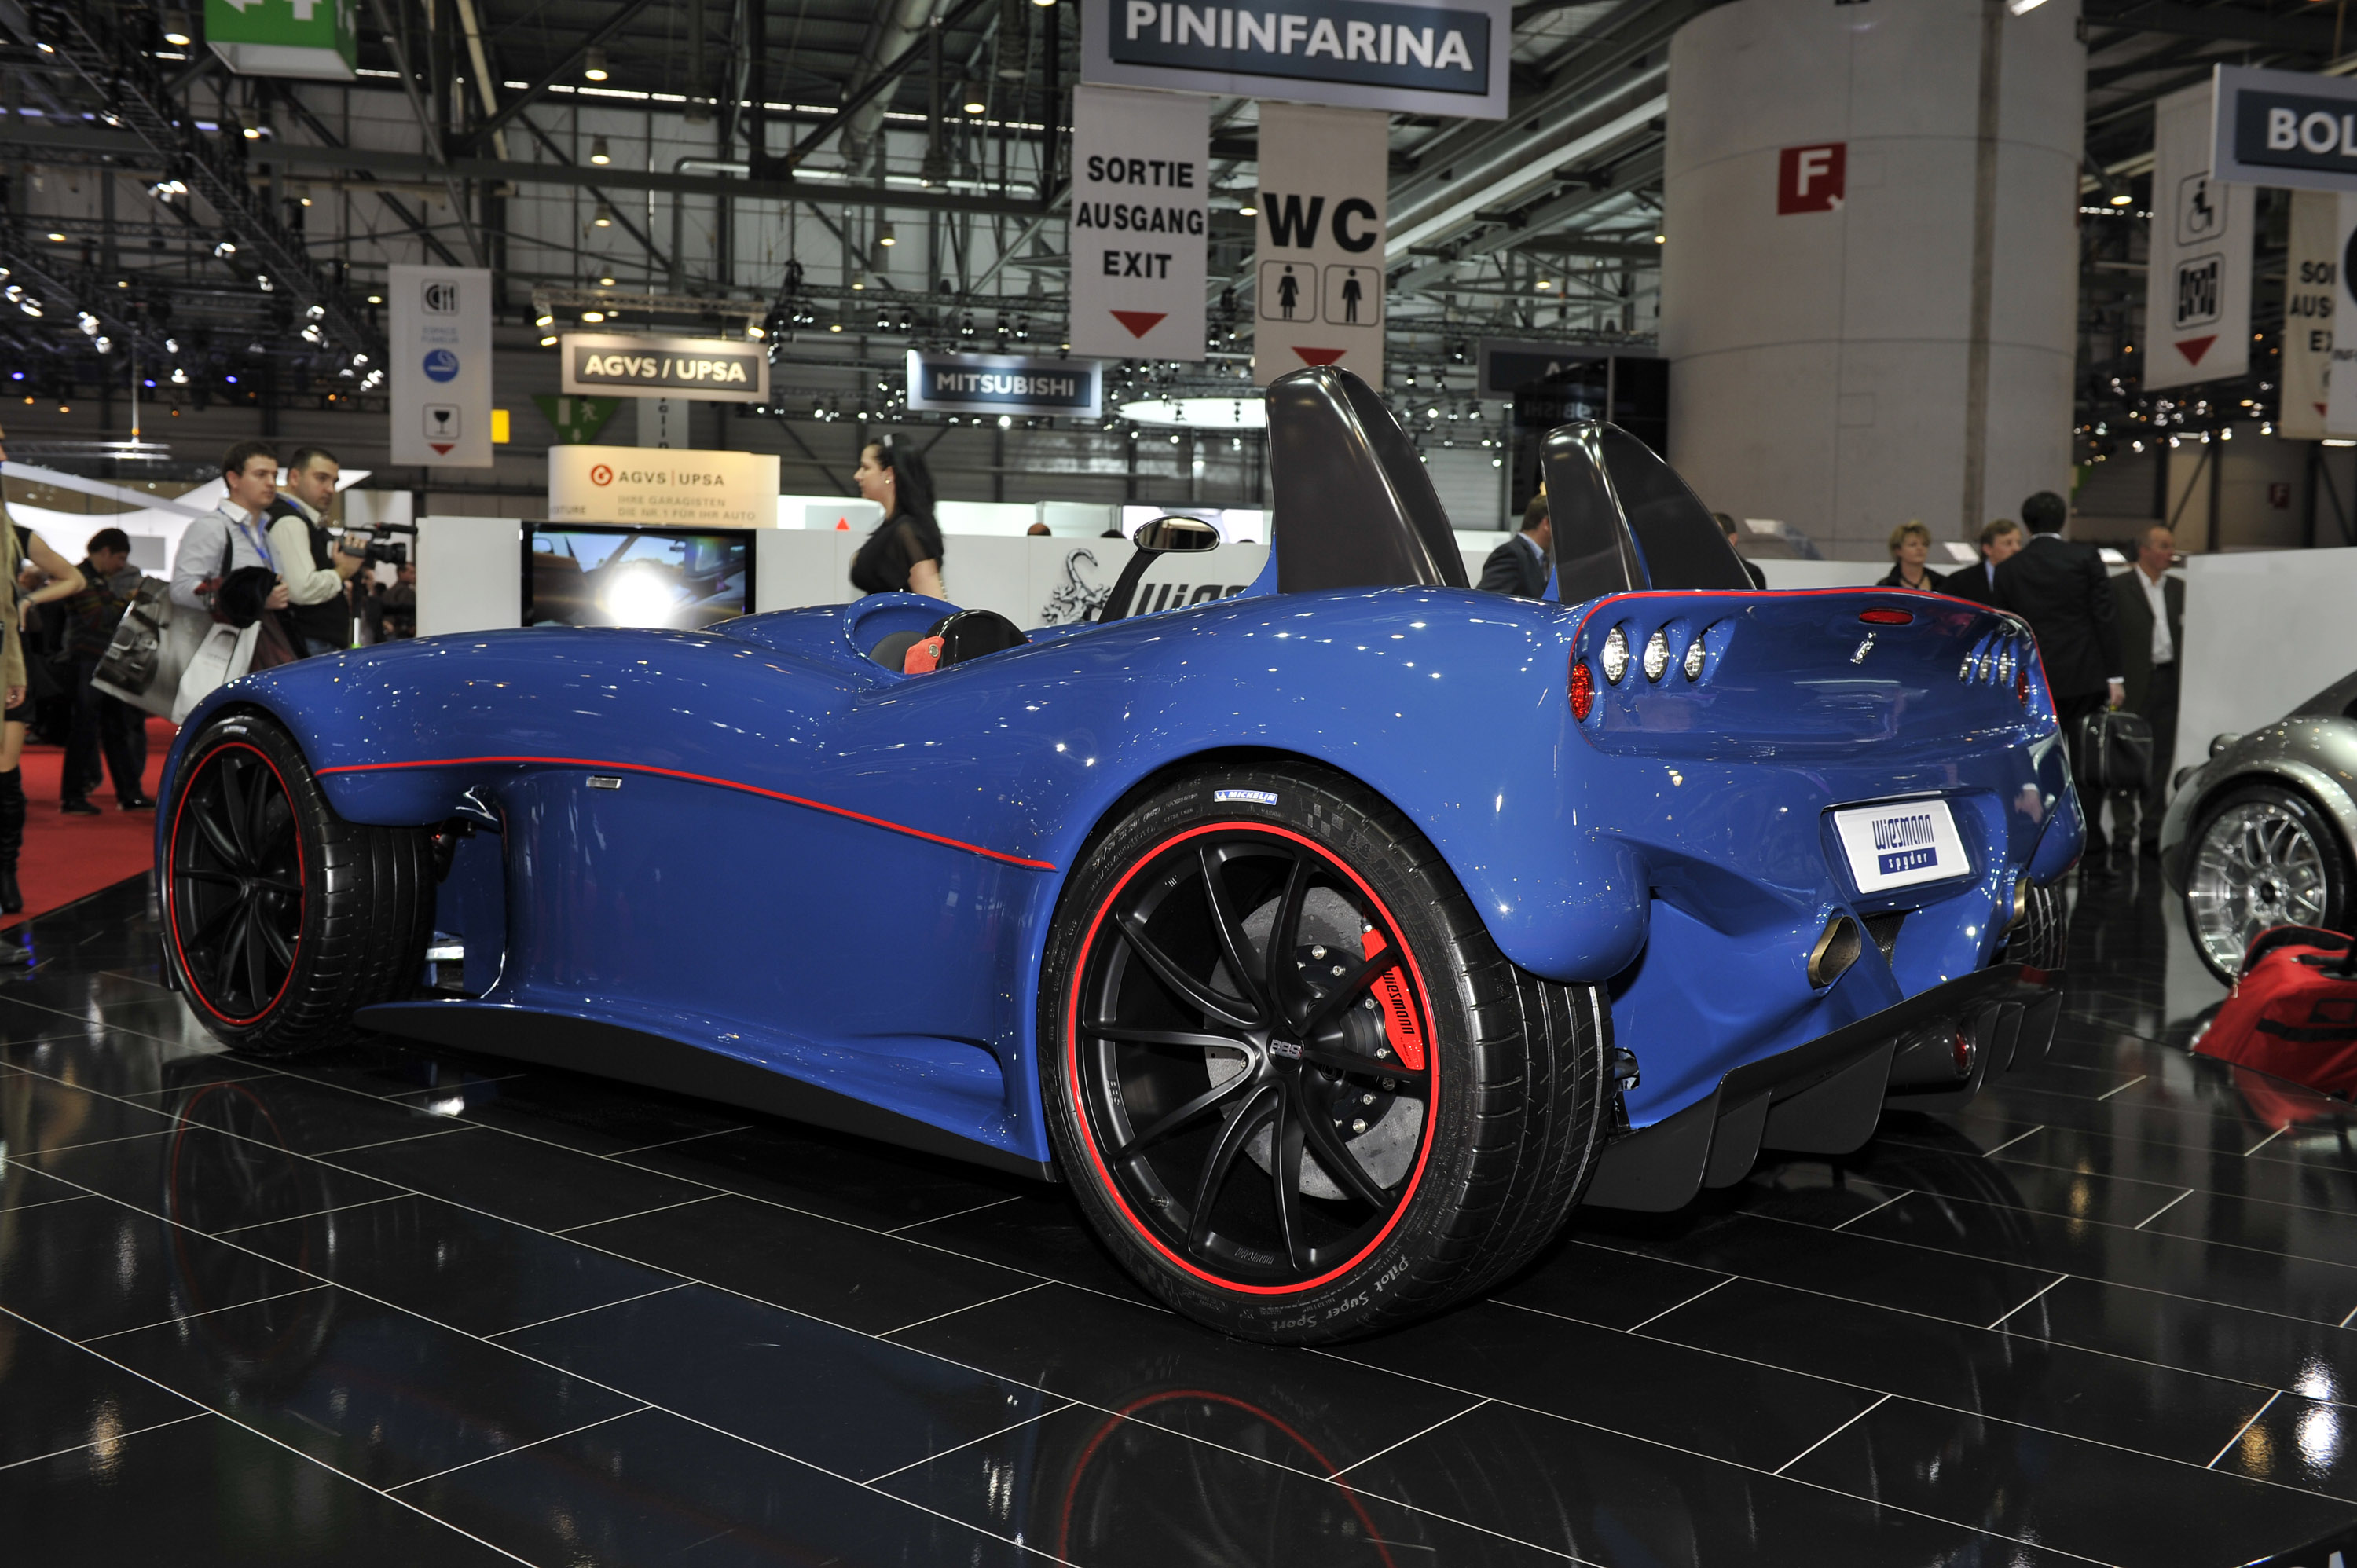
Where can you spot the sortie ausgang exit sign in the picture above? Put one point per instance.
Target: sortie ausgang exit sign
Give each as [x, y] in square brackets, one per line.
[283, 37]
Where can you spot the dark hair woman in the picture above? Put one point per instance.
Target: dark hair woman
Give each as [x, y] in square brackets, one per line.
[904, 555]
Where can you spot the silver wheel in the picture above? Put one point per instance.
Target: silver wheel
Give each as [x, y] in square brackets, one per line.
[2258, 864]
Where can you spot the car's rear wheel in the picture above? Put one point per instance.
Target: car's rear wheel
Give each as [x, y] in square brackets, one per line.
[281, 918]
[1294, 1084]
[2263, 856]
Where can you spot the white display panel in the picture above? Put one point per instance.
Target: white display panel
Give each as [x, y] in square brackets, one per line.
[470, 574]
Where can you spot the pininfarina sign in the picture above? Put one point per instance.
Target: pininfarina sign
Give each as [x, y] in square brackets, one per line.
[1405, 55]
[1003, 383]
[711, 370]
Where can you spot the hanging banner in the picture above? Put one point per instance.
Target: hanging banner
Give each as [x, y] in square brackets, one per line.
[1416, 57]
[2285, 128]
[2198, 287]
[439, 388]
[1003, 383]
[302, 37]
[702, 370]
[2311, 265]
[2341, 380]
[1325, 180]
[1140, 167]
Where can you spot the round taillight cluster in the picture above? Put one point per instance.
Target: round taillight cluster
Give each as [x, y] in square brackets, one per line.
[1583, 690]
[1613, 658]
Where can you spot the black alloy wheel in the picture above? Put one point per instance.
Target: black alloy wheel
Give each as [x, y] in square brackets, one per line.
[1295, 1086]
[237, 883]
[281, 919]
[1252, 1070]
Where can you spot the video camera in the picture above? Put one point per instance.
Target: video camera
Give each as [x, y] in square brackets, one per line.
[390, 552]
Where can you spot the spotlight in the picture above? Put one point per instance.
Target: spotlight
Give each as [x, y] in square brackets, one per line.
[57, 239]
[179, 40]
[605, 215]
[1247, 211]
[597, 153]
[593, 316]
[2123, 200]
[885, 236]
[970, 100]
[593, 64]
[548, 340]
[544, 319]
[224, 249]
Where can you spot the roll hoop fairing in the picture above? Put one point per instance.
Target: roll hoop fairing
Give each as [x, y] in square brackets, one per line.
[753, 863]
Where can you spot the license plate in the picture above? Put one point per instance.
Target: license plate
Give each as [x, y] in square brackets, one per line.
[1900, 844]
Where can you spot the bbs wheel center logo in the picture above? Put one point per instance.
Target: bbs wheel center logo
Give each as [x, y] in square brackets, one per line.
[601, 475]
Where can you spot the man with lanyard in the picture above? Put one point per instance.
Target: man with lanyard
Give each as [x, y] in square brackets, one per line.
[314, 575]
[236, 534]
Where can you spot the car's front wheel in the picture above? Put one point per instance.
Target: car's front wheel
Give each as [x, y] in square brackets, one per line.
[281, 919]
[2263, 856]
[1294, 1083]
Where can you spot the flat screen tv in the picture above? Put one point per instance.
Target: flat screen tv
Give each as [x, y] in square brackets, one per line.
[597, 574]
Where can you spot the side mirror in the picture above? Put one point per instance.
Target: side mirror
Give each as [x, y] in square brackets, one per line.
[1169, 533]
[1163, 536]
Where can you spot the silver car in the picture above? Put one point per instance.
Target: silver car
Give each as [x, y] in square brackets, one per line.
[2265, 834]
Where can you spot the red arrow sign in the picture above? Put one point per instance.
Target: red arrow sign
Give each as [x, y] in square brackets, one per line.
[1319, 356]
[2195, 347]
[441, 447]
[1139, 322]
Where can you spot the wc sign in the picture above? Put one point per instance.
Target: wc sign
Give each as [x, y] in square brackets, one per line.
[1811, 180]
[1318, 276]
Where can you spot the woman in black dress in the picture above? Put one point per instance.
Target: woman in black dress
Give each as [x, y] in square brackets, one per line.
[904, 555]
[1910, 555]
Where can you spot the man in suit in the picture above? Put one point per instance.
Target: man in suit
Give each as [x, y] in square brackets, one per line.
[2151, 608]
[1521, 564]
[1999, 539]
[1726, 526]
[2060, 588]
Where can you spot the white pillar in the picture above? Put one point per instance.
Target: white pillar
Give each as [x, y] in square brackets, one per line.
[1822, 360]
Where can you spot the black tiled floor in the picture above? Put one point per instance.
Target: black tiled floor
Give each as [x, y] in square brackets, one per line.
[391, 1304]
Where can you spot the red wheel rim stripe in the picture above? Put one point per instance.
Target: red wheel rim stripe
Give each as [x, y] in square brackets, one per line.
[1073, 1062]
[171, 889]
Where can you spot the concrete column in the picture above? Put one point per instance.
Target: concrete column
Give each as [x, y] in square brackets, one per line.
[1905, 349]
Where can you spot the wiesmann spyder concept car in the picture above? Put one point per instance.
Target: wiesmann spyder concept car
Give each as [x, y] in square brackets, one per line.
[1332, 941]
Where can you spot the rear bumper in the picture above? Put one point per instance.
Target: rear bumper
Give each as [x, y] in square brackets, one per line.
[1824, 1097]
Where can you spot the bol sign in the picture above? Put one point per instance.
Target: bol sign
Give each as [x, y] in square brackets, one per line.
[2285, 128]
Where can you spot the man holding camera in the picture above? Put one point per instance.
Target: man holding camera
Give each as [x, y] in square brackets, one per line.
[311, 563]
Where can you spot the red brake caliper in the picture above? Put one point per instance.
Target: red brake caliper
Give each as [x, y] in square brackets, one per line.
[1399, 1016]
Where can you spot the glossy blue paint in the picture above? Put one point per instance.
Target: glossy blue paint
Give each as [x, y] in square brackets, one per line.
[848, 874]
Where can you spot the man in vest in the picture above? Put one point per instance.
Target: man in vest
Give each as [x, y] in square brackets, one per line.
[310, 561]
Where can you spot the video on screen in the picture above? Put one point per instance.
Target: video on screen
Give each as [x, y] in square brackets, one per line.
[577, 575]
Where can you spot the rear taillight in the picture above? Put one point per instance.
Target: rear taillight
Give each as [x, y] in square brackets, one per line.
[1583, 690]
[1886, 618]
[2021, 684]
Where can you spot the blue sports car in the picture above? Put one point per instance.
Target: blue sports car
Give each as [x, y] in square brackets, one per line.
[1332, 941]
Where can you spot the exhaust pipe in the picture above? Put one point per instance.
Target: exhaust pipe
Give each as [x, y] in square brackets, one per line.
[1838, 947]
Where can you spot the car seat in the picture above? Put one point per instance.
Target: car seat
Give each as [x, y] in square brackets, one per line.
[953, 639]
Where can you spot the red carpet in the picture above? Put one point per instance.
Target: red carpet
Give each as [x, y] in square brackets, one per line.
[66, 858]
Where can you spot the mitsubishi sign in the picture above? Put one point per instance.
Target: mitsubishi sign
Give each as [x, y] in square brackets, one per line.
[2284, 128]
[1003, 383]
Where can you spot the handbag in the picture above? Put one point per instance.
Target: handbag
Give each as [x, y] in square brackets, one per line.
[2112, 750]
[151, 648]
